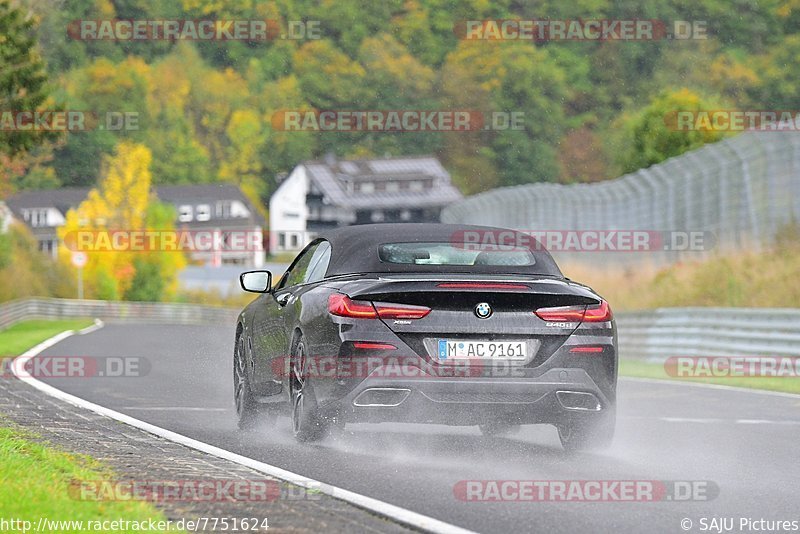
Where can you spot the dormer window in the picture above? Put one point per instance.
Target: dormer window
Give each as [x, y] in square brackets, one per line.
[185, 213]
[203, 212]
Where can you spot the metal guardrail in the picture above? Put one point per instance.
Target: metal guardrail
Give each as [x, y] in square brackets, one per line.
[741, 190]
[652, 335]
[172, 313]
[664, 332]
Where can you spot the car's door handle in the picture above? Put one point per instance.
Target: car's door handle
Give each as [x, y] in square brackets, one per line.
[283, 299]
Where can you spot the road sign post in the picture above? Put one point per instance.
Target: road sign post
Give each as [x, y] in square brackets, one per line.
[79, 260]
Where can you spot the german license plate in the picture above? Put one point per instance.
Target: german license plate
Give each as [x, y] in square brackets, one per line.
[462, 349]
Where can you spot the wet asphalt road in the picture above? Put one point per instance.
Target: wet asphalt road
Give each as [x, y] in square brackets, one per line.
[745, 443]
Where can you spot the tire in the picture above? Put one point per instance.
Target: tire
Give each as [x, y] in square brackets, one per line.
[585, 435]
[499, 429]
[307, 423]
[249, 413]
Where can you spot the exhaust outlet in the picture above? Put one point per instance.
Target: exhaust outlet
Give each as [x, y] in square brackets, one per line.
[386, 397]
[578, 400]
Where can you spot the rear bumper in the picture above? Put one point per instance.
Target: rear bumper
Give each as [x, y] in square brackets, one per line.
[554, 396]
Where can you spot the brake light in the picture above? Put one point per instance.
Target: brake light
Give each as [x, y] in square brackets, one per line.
[365, 345]
[480, 285]
[572, 314]
[344, 306]
[401, 311]
[586, 349]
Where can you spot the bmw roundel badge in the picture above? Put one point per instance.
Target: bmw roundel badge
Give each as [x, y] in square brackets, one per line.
[483, 310]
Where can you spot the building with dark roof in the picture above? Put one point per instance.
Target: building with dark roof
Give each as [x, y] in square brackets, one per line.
[219, 208]
[326, 194]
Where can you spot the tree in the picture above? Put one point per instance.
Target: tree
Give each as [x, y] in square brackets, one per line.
[582, 158]
[100, 88]
[155, 273]
[506, 78]
[26, 272]
[23, 82]
[122, 202]
[328, 78]
[649, 136]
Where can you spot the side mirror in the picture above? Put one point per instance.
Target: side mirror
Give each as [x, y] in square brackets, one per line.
[256, 281]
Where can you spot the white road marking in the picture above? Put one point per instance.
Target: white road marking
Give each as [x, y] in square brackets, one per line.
[707, 420]
[172, 409]
[794, 396]
[98, 324]
[401, 515]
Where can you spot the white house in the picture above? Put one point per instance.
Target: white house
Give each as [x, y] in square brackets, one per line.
[320, 195]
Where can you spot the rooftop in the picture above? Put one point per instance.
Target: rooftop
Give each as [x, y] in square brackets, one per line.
[331, 176]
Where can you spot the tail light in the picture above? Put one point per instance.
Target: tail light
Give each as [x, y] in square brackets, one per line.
[562, 314]
[597, 313]
[344, 306]
[401, 311]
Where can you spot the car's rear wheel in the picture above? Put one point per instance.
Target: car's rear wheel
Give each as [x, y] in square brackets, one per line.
[588, 434]
[307, 424]
[499, 429]
[248, 412]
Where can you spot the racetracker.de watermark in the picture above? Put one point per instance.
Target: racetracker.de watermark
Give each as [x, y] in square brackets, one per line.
[733, 120]
[600, 240]
[543, 30]
[203, 490]
[733, 366]
[585, 490]
[164, 240]
[193, 30]
[68, 121]
[402, 367]
[397, 120]
[75, 367]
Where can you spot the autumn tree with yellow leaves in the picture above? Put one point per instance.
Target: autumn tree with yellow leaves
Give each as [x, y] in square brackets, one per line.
[124, 202]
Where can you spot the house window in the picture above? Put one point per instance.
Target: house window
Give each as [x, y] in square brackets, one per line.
[203, 212]
[281, 240]
[294, 240]
[416, 186]
[392, 187]
[223, 209]
[36, 217]
[367, 187]
[377, 216]
[185, 213]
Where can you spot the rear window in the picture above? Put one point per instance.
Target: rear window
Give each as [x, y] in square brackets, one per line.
[453, 254]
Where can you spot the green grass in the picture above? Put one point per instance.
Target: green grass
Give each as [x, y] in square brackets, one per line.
[36, 480]
[19, 337]
[640, 369]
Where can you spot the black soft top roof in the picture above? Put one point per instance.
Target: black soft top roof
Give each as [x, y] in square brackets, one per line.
[354, 249]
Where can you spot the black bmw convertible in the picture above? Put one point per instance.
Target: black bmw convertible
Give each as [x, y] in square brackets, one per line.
[426, 323]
